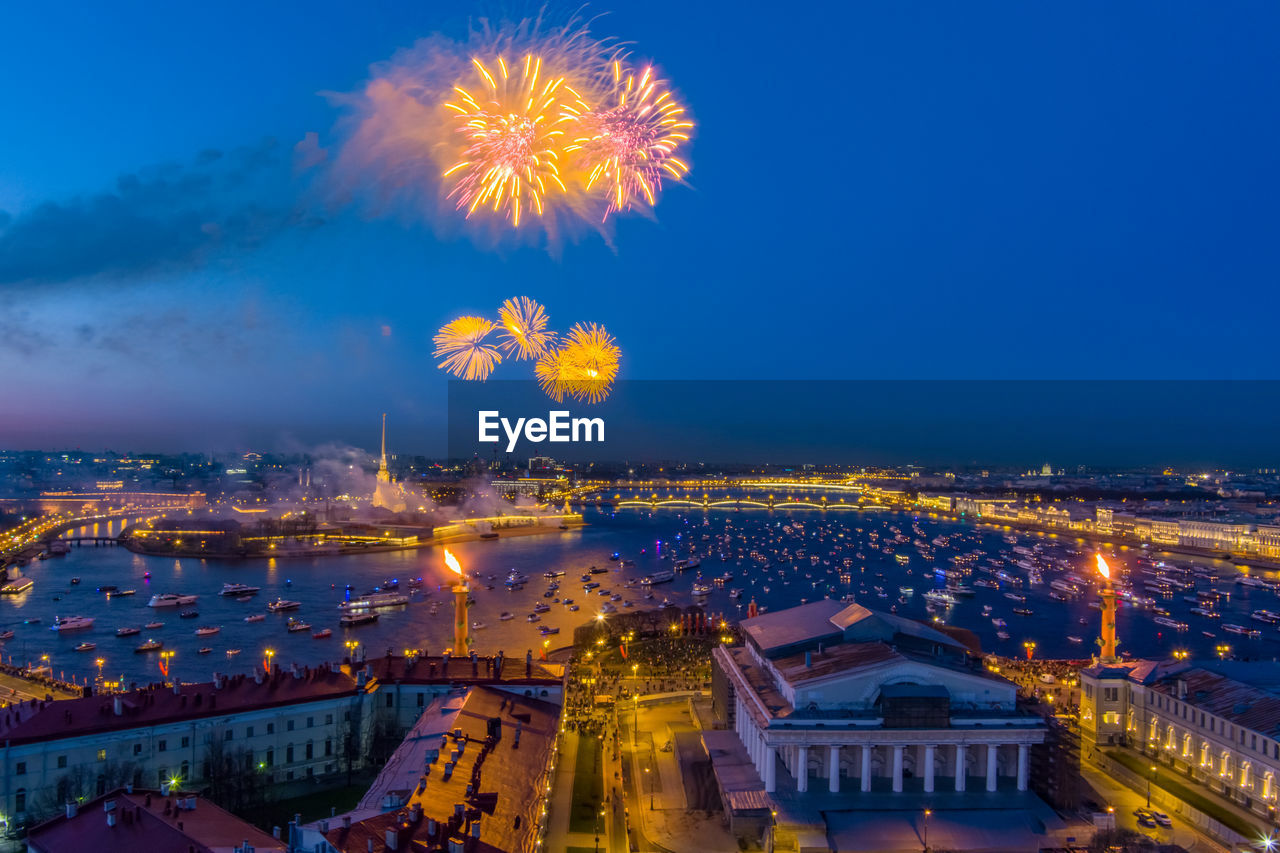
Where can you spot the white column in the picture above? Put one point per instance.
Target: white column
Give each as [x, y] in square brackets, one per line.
[802, 769]
[866, 767]
[960, 761]
[928, 769]
[833, 769]
[1023, 766]
[992, 753]
[770, 769]
[897, 769]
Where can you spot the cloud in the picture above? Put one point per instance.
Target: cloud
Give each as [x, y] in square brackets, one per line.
[164, 217]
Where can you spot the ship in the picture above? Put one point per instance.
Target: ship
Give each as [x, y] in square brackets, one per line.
[86, 647]
[280, 605]
[239, 589]
[295, 626]
[127, 632]
[71, 623]
[363, 617]
[657, 578]
[149, 646]
[207, 630]
[374, 600]
[1267, 616]
[171, 599]
[1251, 633]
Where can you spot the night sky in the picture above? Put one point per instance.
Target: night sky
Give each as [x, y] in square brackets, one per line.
[879, 190]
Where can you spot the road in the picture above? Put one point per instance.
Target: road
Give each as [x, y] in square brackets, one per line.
[1125, 800]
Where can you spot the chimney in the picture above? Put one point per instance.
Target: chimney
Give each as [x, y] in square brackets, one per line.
[808, 660]
[456, 845]
[119, 706]
[111, 818]
[1182, 689]
[71, 809]
[324, 826]
[369, 845]
[475, 829]
[393, 838]
[346, 821]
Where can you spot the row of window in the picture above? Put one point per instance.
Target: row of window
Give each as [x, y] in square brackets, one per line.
[1214, 724]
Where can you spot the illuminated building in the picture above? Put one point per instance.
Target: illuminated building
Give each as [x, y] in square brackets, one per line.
[387, 494]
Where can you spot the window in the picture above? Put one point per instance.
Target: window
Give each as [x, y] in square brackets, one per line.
[248, 732]
[289, 725]
[62, 762]
[186, 741]
[271, 728]
[1112, 694]
[162, 746]
[390, 699]
[20, 800]
[328, 747]
[311, 722]
[328, 719]
[310, 751]
[226, 735]
[20, 769]
[422, 699]
[102, 755]
[288, 754]
[271, 758]
[137, 749]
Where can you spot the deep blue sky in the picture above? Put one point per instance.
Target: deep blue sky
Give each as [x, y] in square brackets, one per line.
[926, 190]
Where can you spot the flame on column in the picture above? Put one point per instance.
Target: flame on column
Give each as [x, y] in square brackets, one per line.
[1103, 568]
[452, 562]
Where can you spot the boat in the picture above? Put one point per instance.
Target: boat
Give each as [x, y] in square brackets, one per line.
[75, 581]
[108, 588]
[1004, 635]
[321, 634]
[71, 623]
[547, 630]
[257, 617]
[1251, 633]
[939, 596]
[1013, 596]
[296, 625]
[151, 626]
[238, 589]
[149, 646]
[121, 593]
[541, 607]
[1171, 623]
[17, 586]
[232, 653]
[189, 614]
[1023, 611]
[374, 600]
[506, 616]
[351, 620]
[1074, 639]
[999, 623]
[657, 578]
[86, 647]
[1265, 616]
[204, 650]
[516, 579]
[478, 626]
[171, 599]
[608, 608]
[208, 630]
[534, 617]
[6, 635]
[701, 589]
[127, 632]
[280, 605]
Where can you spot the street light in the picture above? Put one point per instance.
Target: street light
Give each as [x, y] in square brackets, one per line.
[649, 785]
[1149, 778]
[927, 814]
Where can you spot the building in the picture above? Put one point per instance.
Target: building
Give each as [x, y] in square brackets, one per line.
[839, 699]
[473, 774]
[387, 494]
[1215, 723]
[288, 726]
[129, 820]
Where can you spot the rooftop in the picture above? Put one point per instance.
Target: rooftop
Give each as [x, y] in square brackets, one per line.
[35, 720]
[524, 668]
[502, 771]
[123, 822]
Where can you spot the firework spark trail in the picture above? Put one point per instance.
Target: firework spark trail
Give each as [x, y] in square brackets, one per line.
[462, 344]
[626, 144]
[523, 331]
[584, 365]
[513, 127]
[524, 129]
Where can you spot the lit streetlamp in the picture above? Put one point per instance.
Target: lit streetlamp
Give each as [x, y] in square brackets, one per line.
[927, 814]
[1149, 778]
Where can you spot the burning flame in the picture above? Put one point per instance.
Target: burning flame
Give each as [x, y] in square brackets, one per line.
[452, 562]
[1103, 568]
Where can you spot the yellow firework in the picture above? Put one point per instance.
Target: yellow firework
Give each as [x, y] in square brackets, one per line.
[512, 122]
[524, 328]
[461, 343]
[584, 366]
[627, 145]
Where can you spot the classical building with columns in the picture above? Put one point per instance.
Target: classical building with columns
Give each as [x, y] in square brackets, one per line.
[844, 700]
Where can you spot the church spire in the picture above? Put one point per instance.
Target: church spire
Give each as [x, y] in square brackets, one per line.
[383, 465]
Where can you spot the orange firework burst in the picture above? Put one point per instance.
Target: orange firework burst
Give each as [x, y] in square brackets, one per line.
[513, 127]
[584, 366]
[524, 328]
[462, 344]
[627, 145]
